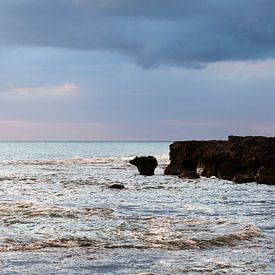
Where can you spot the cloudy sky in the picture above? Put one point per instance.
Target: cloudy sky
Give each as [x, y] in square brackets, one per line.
[136, 69]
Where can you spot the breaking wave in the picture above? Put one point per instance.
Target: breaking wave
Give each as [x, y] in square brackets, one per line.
[162, 159]
[246, 233]
[12, 212]
[111, 230]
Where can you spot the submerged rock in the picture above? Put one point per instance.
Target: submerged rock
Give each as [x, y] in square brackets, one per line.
[145, 165]
[116, 186]
[239, 159]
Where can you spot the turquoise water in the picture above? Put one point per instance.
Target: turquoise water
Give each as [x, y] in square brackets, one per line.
[58, 216]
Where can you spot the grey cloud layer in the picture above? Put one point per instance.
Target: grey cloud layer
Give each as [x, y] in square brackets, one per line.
[152, 32]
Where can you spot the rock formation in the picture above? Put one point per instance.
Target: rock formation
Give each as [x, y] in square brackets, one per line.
[117, 186]
[239, 159]
[145, 165]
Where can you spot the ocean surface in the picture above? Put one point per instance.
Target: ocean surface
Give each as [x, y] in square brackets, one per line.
[58, 216]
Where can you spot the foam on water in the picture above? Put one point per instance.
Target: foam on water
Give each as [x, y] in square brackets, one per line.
[122, 232]
[114, 161]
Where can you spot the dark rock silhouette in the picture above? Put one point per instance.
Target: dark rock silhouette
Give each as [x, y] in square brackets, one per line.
[239, 159]
[116, 186]
[145, 165]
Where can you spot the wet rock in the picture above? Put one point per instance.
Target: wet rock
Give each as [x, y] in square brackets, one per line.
[227, 171]
[116, 186]
[244, 178]
[266, 174]
[145, 165]
[225, 159]
[189, 175]
[208, 171]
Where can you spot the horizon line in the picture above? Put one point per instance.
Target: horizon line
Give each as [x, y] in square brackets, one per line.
[86, 140]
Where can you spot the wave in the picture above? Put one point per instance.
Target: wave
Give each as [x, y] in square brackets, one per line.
[163, 158]
[246, 233]
[59, 243]
[110, 230]
[19, 212]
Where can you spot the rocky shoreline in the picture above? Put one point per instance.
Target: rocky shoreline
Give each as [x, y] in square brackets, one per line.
[238, 159]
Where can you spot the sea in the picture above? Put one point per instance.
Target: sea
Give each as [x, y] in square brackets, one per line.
[58, 216]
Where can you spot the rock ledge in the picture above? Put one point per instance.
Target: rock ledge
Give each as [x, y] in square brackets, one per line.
[239, 159]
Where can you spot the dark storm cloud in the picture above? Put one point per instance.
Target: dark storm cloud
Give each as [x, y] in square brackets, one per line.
[153, 32]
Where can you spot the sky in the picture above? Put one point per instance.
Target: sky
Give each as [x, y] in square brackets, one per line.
[136, 69]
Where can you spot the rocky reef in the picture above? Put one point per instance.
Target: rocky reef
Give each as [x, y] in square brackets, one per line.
[238, 159]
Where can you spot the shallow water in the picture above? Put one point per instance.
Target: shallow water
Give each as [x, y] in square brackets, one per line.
[57, 214]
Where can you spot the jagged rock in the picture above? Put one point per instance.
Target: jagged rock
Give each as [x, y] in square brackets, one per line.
[116, 186]
[189, 175]
[145, 165]
[225, 159]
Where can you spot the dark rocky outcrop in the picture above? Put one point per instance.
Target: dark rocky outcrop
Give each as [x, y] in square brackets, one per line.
[116, 186]
[239, 159]
[145, 165]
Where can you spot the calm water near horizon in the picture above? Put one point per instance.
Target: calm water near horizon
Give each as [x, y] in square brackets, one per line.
[58, 216]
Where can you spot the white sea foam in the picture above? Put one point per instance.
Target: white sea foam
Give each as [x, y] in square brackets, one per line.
[116, 231]
[77, 160]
